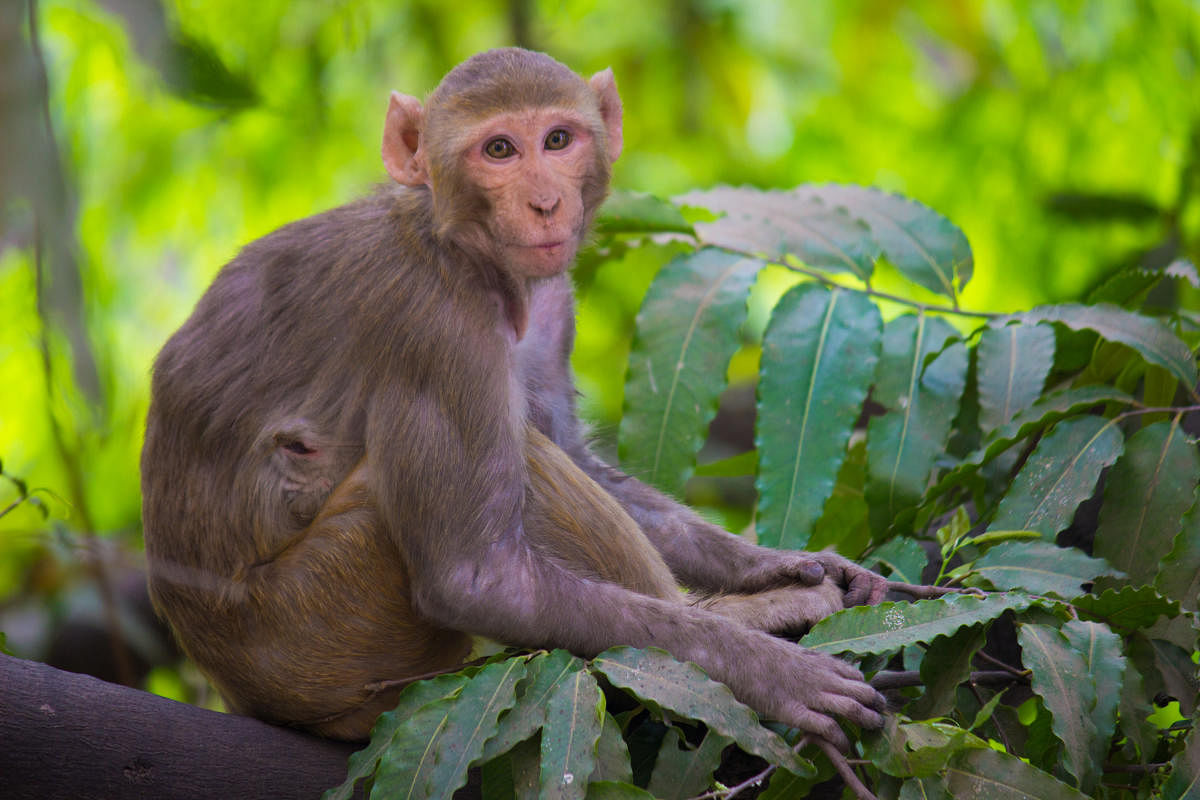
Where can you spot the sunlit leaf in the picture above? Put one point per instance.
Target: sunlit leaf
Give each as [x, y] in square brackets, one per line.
[1153, 340]
[1059, 475]
[818, 361]
[1013, 363]
[1040, 567]
[865, 630]
[921, 402]
[637, 212]
[686, 333]
[927, 248]
[658, 679]
[1145, 496]
[779, 223]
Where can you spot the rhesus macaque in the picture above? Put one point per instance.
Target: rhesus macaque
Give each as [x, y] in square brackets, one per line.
[362, 447]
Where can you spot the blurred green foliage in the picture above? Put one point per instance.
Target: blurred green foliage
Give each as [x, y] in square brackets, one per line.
[1063, 137]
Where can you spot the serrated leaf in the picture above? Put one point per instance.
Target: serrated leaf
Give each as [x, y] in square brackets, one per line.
[1013, 363]
[687, 330]
[1059, 675]
[1149, 337]
[637, 212]
[680, 772]
[778, 223]
[1128, 608]
[922, 400]
[916, 749]
[818, 361]
[924, 246]
[904, 558]
[574, 720]
[869, 630]
[1047, 411]
[986, 774]
[1100, 650]
[1179, 573]
[1040, 567]
[436, 745]
[391, 725]
[612, 754]
[1059, 475]
[545, 673]
[946, 664]
[662, 682]
[1145, 496]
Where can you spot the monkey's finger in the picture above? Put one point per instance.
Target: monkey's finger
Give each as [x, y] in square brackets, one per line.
[806, 571]
[814, 722]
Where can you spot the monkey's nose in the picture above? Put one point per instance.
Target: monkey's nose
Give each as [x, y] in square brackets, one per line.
[545, 206]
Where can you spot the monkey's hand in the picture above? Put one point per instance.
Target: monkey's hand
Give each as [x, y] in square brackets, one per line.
[807, 690]
[775, 568]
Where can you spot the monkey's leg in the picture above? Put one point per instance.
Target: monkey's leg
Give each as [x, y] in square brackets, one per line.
[327, 630]
[570, 518]
[788, 610]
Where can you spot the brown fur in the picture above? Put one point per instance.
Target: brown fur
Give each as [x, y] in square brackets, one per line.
[362, 446]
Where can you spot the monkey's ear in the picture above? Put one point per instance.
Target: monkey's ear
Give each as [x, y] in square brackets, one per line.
[402, 139]
[605, 87]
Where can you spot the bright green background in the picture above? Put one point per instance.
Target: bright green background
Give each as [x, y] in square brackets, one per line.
[985, 111]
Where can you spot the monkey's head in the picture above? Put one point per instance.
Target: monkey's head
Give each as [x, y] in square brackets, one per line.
[516, 150]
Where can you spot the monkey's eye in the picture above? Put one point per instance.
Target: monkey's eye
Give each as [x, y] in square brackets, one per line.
[499, 148]
[558, 139]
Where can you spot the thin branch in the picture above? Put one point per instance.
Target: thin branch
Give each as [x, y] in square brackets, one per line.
[1020, 673]
[904, 301]
[922, 592]
[845, 770]
[904, 679]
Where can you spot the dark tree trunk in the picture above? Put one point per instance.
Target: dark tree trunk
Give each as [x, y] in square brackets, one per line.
[64, 735]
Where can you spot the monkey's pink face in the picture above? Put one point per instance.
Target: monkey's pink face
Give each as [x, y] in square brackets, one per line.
[531, 165]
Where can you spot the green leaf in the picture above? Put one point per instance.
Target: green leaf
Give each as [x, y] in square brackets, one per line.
[924, 789]
[611, 790]
[1128, 608]
[1013, 363]
[922, 401]
[818, 361]
[946, 664]
[1149, 337]
[546, 672]
[916, 749]
[986, 774]
[391, 726]
[776, 224]
[1179, 573]
[904, 558]
[612, 754]
[1100, 650]
[661, 682]
[869, 630]
[924, 246]
[785, 785]
[1059, 475]
[1040, 567]
[1141, 737]
[574, 720]
[1184, 781]
[637, 212]
[1145, 496]
[1166, 668]
[1059, 675]
[686, 333]
[437, 744]
[680, 772]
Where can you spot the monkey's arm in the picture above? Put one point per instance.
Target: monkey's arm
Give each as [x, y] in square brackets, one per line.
[705, 556]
